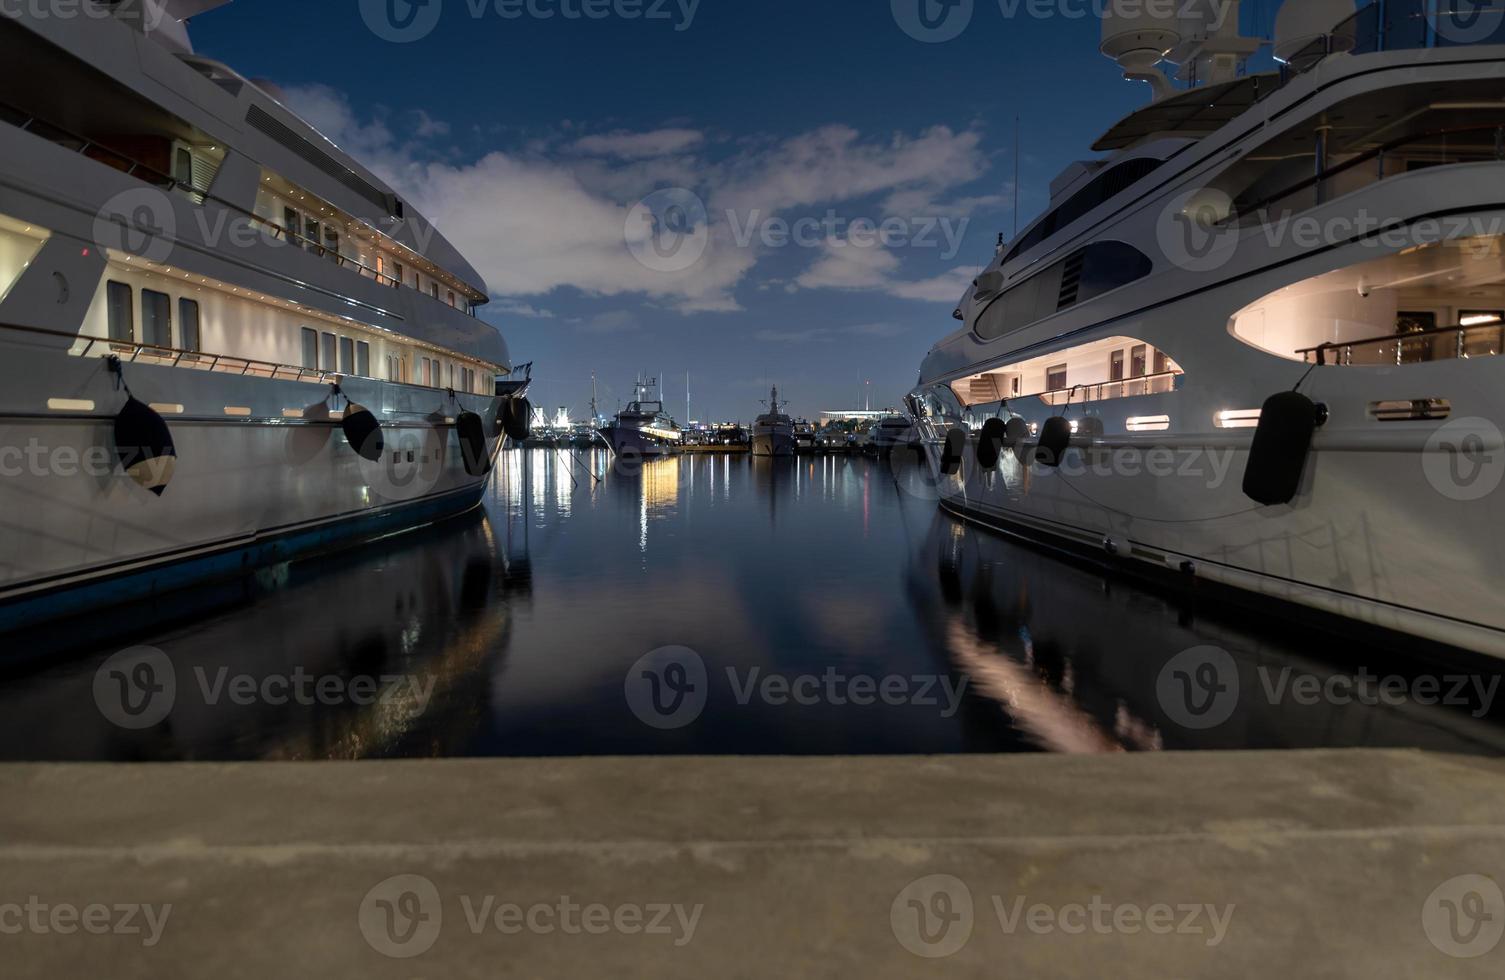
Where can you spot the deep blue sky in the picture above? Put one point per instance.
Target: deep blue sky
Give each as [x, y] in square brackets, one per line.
[753, 78]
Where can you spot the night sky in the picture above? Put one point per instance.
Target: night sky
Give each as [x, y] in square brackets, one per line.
[529, 141]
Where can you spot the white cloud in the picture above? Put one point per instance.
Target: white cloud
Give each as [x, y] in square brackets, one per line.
[639, 146]
[551, 214]
[515, 307]
[843, 265]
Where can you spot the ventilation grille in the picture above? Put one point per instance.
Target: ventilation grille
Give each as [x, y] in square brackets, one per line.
[1071, 280]
[283, 134]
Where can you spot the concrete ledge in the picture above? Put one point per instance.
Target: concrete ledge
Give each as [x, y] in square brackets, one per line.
[1311, 864]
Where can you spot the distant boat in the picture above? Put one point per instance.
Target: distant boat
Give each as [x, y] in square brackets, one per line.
[773, 432]
[644, 428]
[804, 436]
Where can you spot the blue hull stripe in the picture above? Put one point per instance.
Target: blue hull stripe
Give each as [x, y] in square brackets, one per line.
[149, 582]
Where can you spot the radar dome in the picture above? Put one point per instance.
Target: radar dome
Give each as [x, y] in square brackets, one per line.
[1300, 22]
[1138, 41]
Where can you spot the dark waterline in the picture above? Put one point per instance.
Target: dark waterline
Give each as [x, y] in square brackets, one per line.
[778, 594]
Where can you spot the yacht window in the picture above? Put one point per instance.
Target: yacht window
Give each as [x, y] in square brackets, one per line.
[188, 324]
[290, 221]
[1137, 361]
[363, 359]
[1440, 302]
[311, 234]
[397, 272]
[120, 304]
[332, 243]
[310, 349]
[347, 356]
[156, 318]
[1365, 139]
[434, 288]
[1084, 373]
[1084, 275]
[1100, 190]
[451, 297]
[327, 359]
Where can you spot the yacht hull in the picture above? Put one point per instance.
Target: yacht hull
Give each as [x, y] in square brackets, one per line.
[263, 474]
[1390, 527]
[627, 441]
[773, 444]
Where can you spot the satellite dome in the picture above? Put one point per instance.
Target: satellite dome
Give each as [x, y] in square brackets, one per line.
[1138, 41]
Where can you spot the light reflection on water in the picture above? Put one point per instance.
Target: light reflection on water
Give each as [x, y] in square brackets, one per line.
[513, 631]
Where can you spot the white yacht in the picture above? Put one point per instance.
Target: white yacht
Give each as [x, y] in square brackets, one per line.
[773, 432]
[1255, 344]
[644, 429]
[224, 342]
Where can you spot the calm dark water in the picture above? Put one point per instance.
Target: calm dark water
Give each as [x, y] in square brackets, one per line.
[709, 605]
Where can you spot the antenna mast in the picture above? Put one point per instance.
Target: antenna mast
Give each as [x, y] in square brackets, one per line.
[1016, 175]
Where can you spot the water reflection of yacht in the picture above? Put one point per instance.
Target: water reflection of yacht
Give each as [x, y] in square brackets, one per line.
[644, 428]
[424, 617]
[773, 432]
[1076, 661]
[1331, 411]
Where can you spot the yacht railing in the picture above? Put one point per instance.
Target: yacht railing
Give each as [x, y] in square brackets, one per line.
[1435, 344]
[132, 351]
[1402, 25]
[1149, 384]
[1492, 148]
[141, 171]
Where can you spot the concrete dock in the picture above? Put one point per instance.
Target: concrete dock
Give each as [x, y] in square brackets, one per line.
[1310, 864]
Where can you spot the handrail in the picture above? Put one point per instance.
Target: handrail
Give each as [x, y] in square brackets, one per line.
[172, 183]
[1098, 386]
[1460, 331]
[1379, 151]
[195, 360]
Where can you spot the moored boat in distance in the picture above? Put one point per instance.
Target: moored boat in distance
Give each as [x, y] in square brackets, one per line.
[261, 347]
[644, 428]
[1242, 348]
[773, 431]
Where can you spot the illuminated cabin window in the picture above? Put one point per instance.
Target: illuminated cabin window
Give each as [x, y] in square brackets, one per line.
[1237, 418]
[1085, 274]
[1439, 302]
[1106, 369]
[1148, 423]
[70, 405]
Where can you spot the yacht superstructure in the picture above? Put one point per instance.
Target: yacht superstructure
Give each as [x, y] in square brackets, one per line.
[225, 341]
[1257, 343]
[644, 428]
[773, 431]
